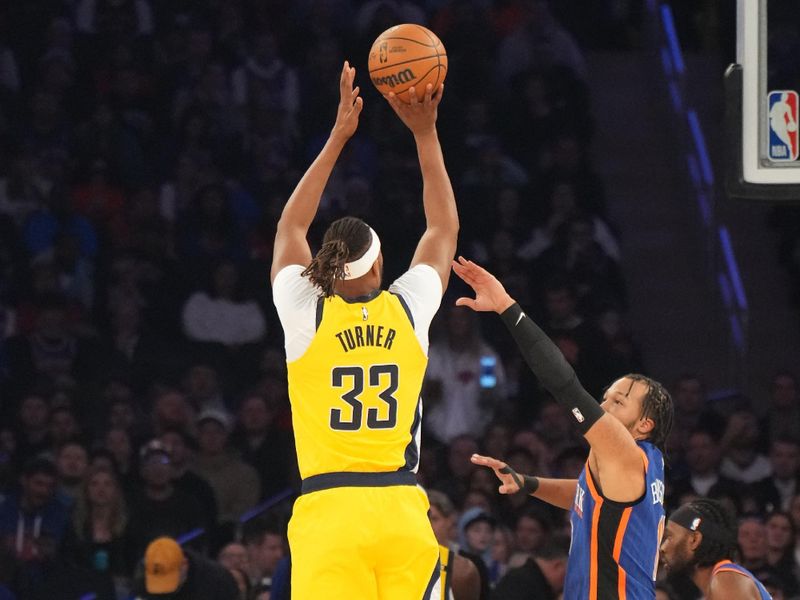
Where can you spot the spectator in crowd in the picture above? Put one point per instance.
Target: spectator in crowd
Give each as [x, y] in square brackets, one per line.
[576, 337]
[783, 416]
[132, 349]
[236, 484]
[742, 461]
[265, 542]
[203, 389]
[563, 203]
[267, 81]
[781, 535]
[64, 425]
[777, 490]
[174, 572]
[752, 538]
[119, 444]
[461, 397]
[33, 435]
[234, 556]
[160, 508]
[172, 409]
[538, 42]
[50, 351]
[690, 410]
[98, 537]
[72, 462]
[475, 535]
[33, 521]
[502, 549]
[455, 481]
[497, 439]
[703, 477]
[208, 231]
[542, 575]
[264, 445]
[181, 449]
[531, 531]
[222, 314]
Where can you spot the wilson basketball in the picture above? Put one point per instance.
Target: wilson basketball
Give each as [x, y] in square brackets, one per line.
[406, 56]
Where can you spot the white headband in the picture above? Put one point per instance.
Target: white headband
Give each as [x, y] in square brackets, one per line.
[361, 266]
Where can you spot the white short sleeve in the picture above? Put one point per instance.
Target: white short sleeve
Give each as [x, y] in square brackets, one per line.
[421, 288]
[295, 299]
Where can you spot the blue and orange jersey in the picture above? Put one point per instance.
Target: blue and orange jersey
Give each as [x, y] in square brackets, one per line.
[614, 548]
[726, 565]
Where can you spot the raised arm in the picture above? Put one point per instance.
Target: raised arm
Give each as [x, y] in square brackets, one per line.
[291, 246]
[618, 457]
[437, 246]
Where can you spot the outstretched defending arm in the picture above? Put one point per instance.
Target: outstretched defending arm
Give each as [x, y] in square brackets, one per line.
[291, 245]
[612, 444]
[558, 492]
[438, 244]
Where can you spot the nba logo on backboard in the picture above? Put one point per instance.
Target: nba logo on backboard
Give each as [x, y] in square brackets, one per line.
[783, 144]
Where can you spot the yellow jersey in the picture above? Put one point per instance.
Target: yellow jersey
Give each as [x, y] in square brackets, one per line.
[355, 391]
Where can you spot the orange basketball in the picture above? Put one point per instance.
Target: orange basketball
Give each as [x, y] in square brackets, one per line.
[406, 56]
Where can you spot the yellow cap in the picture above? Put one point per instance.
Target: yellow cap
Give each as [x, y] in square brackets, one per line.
[162, 566]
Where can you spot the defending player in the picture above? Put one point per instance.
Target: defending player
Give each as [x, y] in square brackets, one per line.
[700, 541]
[617, 503]
[356, 356]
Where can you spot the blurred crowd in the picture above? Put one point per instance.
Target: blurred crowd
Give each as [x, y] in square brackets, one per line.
[146, 151]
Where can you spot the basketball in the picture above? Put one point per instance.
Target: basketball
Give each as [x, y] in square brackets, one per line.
[406, 56]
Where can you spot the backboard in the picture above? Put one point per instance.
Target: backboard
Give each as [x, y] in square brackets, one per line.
[763, 102]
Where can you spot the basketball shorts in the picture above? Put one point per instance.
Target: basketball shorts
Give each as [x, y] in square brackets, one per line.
[370, 543]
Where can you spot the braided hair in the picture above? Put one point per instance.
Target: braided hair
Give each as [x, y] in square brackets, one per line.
[345, 240]
[716, 548]
[657, 405]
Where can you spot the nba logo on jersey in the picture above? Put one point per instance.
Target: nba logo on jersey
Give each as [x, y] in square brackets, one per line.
[783, 108]
[579, 495]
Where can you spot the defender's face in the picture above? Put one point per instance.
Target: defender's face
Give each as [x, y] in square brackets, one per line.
[623, 400]
[676, 551]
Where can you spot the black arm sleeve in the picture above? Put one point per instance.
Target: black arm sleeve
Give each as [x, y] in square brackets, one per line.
[551, 368]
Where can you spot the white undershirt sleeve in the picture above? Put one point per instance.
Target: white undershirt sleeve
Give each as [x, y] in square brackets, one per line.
[421, 288]
[295, 299]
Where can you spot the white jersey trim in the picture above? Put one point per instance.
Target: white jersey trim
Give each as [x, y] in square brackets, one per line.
[295, 299]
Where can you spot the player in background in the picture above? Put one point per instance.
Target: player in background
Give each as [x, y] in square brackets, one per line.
[700, 541]
[460, 579]
[356, 356]
[617, 503]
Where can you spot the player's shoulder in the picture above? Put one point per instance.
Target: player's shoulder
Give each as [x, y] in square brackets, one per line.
[421, 279]
[731, 582]
[291, 285]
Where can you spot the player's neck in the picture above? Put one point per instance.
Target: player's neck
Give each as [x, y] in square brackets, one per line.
[355, 289]
[702, 578]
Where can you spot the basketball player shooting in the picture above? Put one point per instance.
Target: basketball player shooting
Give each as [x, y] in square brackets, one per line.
[356, 356]
[617, 503]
